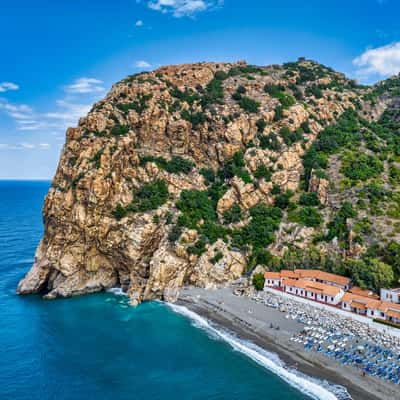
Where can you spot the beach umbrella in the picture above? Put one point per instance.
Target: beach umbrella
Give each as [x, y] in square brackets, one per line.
[360, 348]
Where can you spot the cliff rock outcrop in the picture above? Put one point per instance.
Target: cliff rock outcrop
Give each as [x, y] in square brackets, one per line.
[174, 177]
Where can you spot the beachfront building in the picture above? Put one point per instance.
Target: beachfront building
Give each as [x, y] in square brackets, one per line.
[275, 279]
[371, 307]
[326, 278]
[391, 295]
[385, 311]
[272, 279]
[336, 290]
[312, 290]
[356, 303]
[363, 292]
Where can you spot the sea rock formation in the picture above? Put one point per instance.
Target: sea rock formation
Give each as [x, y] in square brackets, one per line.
[116, 213]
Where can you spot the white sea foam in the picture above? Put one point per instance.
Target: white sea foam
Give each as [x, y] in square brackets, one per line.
[117, 291]
[314, 388]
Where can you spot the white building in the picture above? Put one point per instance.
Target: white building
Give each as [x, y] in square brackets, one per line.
[317, 291]
[272, 279]
[391, 295]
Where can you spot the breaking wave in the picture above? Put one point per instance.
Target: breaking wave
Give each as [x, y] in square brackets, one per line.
[314, 388]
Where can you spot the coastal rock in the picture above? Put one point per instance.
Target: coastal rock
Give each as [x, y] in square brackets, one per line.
[180, 125]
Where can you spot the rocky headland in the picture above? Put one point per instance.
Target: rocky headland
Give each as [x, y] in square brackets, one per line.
[200, 173]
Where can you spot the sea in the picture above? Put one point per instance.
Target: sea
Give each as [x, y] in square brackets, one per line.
[99, 347]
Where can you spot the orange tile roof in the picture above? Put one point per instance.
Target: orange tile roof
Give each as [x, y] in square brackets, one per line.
[357, 304]
[374, 304]
[289, 274]
[350, 297]
[384, 306]
[361, 302]
[392, 313]
[363, 292]
[314, 287]
[323, 276]
[272, 275]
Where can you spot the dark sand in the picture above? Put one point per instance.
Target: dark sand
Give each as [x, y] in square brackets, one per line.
[223, 308]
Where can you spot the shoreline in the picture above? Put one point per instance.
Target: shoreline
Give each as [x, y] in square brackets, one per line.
[232, 313]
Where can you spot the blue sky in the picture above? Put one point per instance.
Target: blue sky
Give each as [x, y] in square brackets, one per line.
[58, 57]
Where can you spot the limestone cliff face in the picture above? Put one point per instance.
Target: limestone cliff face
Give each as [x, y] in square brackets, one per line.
[176, 111]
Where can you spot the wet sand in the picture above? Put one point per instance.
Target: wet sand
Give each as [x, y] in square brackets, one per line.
[252, 321]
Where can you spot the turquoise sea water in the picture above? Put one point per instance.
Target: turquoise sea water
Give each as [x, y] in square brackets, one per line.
[96, 346]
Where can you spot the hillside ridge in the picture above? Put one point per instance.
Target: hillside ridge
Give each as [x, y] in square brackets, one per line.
[198, 174]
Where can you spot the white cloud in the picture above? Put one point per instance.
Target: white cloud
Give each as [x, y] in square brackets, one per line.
[139, 23]
[383, 61]
[183, 8]
[69, 111]
[85, 85]
[23, 146]
[142, 64]
[66, 114]
[19, 112]
[6, 86]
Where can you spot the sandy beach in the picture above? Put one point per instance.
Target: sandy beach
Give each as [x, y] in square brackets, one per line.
[252, 321]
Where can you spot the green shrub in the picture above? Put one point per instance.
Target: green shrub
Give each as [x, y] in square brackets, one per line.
[309, 199]
[221, 75]
[282, 201]
[148, 197]
[263, 171]
[235, 167]
[120, 212]
[188, 96]
[175, 233]
[213, 231]
[360, 167]
[276, 189]
[195, 118]
[195, 205]
[259, 232]
[258, 281]
[246, 69]
[306, 127]
[290, 137]
[307, 216]
[176, 165]
[314, 90]
[208, 175]
[96, 159]
[388, 323]
[218, 257]
[214, 93]
[234, 214]
[248, 104]
[273, 89]
[236, 96]
[285, 100]
[261, 124]
[198, 248]
[138, 105]
[120, 130]
[270, 142]
[338, 226]
[278, 113]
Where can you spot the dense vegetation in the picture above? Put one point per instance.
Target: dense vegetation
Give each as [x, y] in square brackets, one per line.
[175, 165]
[148, 197]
